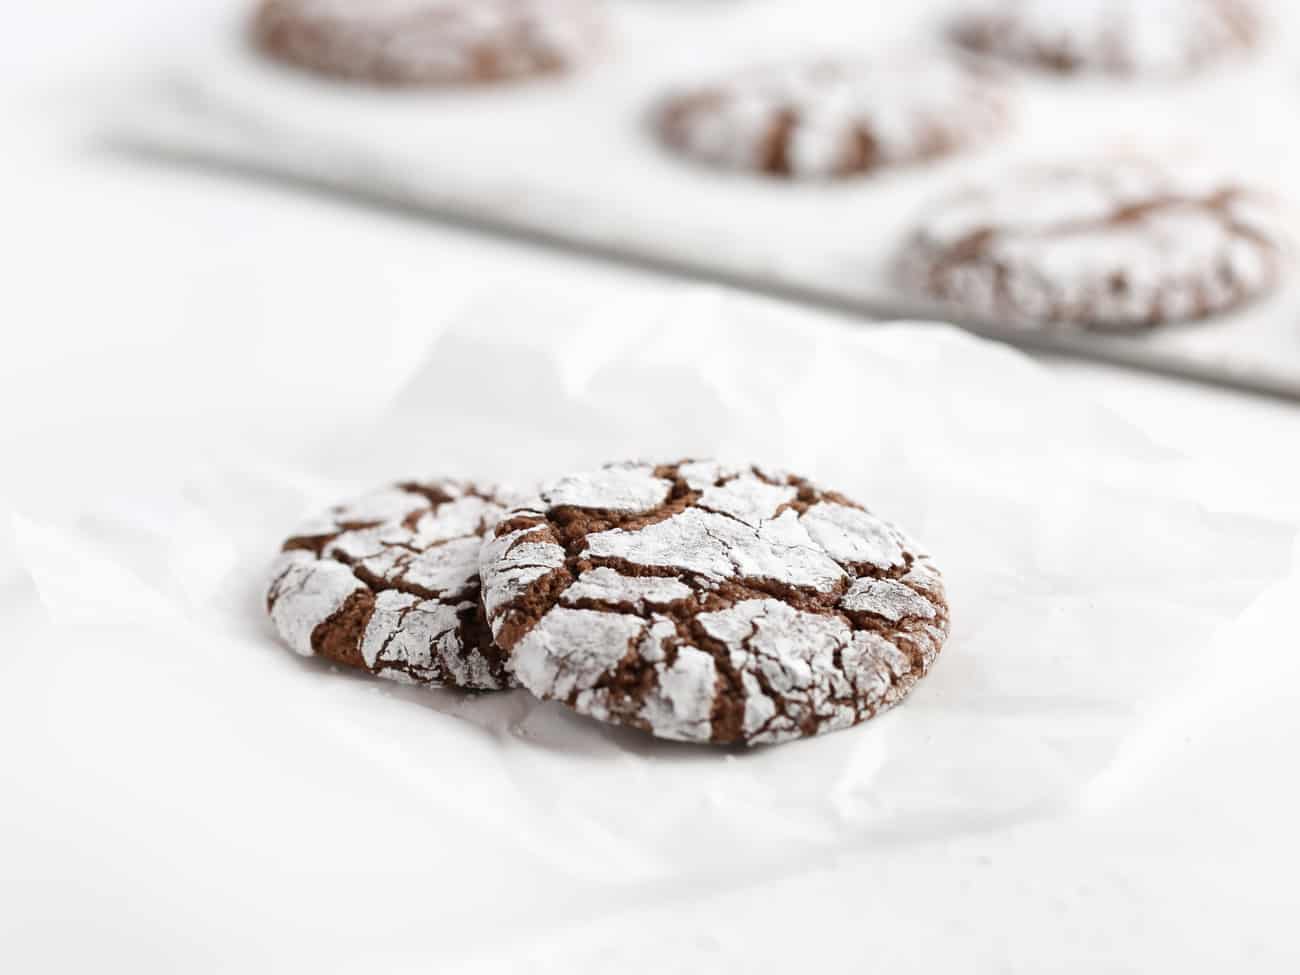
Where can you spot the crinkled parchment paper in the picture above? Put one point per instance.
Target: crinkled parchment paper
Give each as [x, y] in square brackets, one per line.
[1087, 588]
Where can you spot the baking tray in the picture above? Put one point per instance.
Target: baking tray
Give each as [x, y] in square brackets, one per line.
[573, 163]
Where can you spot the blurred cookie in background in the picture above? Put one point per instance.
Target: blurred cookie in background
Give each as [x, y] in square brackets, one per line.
[1117, 37]
[428, 42]
[1110, 245]
[836, 118]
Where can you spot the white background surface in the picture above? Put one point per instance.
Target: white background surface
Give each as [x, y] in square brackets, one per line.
[126, 283]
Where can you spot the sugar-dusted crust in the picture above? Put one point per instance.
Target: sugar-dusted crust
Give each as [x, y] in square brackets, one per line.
[1118, 37]
[708, 603]
[835, 118]
[389, 583]
[1117, 244]
[428, 42]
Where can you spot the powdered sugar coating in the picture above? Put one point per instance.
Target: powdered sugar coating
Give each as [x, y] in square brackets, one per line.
[408, 639]
[423, 42]
[608, 587]
[389, 583]
[747, 499]
[795, 669]
[304, 593]
[1110, 244]
[618, 488]
[1122, 37]
[569, 649]
[716, 547]
[836, 118]
[777, 611]
[850, 534]
[887, 598]
[506, 579]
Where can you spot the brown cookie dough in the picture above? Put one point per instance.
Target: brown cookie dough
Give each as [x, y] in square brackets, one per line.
[835, 118]
[1118, 37]
[389, 583]
[708, 603]
[428, 42]
[1110, 245]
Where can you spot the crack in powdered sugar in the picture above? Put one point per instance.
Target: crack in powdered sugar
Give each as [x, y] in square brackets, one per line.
[389, 583]
[709, 603]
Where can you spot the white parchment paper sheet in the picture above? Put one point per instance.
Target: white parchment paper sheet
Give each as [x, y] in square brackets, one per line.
[574, 161]
[1087, 586]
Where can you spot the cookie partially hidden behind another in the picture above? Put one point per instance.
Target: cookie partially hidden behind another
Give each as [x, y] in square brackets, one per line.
[707, 603]
[1109, 245]
[831, 118]
[428, 42]
[389, 583]
[1152, 38]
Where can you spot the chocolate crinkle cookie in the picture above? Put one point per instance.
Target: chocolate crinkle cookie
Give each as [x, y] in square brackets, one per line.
[1109, 245]
[1118, 37]
[708, 603]
[428, 42]
[389, 583]
[835, 118]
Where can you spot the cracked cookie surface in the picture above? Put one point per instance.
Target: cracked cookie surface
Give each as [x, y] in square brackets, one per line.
[1119, 244]
[428, 42]
[1118, 37]
[389, 583]
[831, 118]
[702, 602]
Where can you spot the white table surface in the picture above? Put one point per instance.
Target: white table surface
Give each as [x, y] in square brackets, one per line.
[119, 277]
